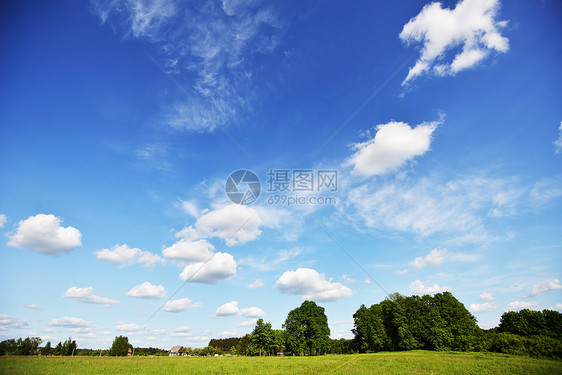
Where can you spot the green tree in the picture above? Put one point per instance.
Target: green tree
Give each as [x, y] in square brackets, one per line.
[307, 329]
[369, 331]
[46, 350]
[120, 346]
[263, 338]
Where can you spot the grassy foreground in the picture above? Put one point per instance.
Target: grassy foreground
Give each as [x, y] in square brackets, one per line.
[415, 362]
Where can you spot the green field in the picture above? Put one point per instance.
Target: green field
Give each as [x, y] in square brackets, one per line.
[416, 362]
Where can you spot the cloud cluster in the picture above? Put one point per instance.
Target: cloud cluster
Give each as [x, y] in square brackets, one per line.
[147, 290]
[436, 257]
[70, 322]
[393, 145]
[518, 305]
[470, 30]
[126, 256]
[476, 308]
[7, 321]
[311, 285]
[44, 234]
[231, 308]
[543, 287]
[221, 266]
[256, 284]
[181, 304]
[419, 288]
[3, 220]
[87, 295]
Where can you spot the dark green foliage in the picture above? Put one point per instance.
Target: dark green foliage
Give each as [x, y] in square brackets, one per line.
[224, 345]
[307, 330]
[120, 346]
[27, 346]
[440, 322]
[508, 343]
[527, 322]
[263, 340]
[46, 350]
[342, 346]
[243, 345]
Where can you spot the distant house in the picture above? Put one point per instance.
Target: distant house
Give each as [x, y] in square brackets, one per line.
[176, 351]
[129, 352]
[280, 353]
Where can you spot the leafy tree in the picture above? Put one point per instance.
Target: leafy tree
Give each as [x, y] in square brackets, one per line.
[120, 346]
[527, 322]
[8, 347]
[243, 345]
[263, 338]
[307, 329]
[46, 350]
[369, 331]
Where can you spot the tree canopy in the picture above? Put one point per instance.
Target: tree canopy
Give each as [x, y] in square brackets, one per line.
[307, 330]
[120, 346]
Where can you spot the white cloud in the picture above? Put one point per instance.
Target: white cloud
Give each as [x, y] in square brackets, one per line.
[221, 266]
[476, 308]
[183, 329]
[252, 312]
[231, 308]
[8, 322]
[129, 327]
[127, 256]
[367, 281]
[435, 257]
[3, 220]
[236, 224]
[190, 207]
[558, 307]
[486, 297]
[44, 234]
[256, 284]
[189, 251]
[311, 285]
[470, 30]
[87, 295]
[543, 287]
[70, 322]
[182, 304]
[32, 306]
[147, 290]
[138, 329]
[546, 189]
[214, 44]
[558, 142]
[516, 306]
[427, 205]
[418, 288]
[393, 145]
[249, 323]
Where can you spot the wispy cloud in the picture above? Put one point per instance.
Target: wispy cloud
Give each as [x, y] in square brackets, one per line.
[212, 45]
[558, 142]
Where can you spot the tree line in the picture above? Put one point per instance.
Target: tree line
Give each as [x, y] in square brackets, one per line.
[438, 322]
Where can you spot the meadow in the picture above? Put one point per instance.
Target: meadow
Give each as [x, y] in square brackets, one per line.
[414, 362]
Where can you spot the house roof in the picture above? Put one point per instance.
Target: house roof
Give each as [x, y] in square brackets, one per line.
[176, 349]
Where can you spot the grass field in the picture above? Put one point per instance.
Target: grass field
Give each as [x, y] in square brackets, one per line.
[416, 362]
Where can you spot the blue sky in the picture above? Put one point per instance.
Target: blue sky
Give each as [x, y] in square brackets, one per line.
[120, 122]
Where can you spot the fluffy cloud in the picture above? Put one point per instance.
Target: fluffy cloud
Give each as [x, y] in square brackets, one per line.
[393, 145]
[470, 30]
[436, 257]
[543, 287]
[190, 251]
[486, 297]
[126, 256]
[249, 323]
[87, 295]
[476, 308]
[44, 234]
[226, 223]
[311, 285]
[221, 266]
[147, 290]
[256, 284]
[516, 306]
[70, 322]
[3, 220]
[231, 308]
[558, 142]
[8, 322]
[418, 288]
[180, 305]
